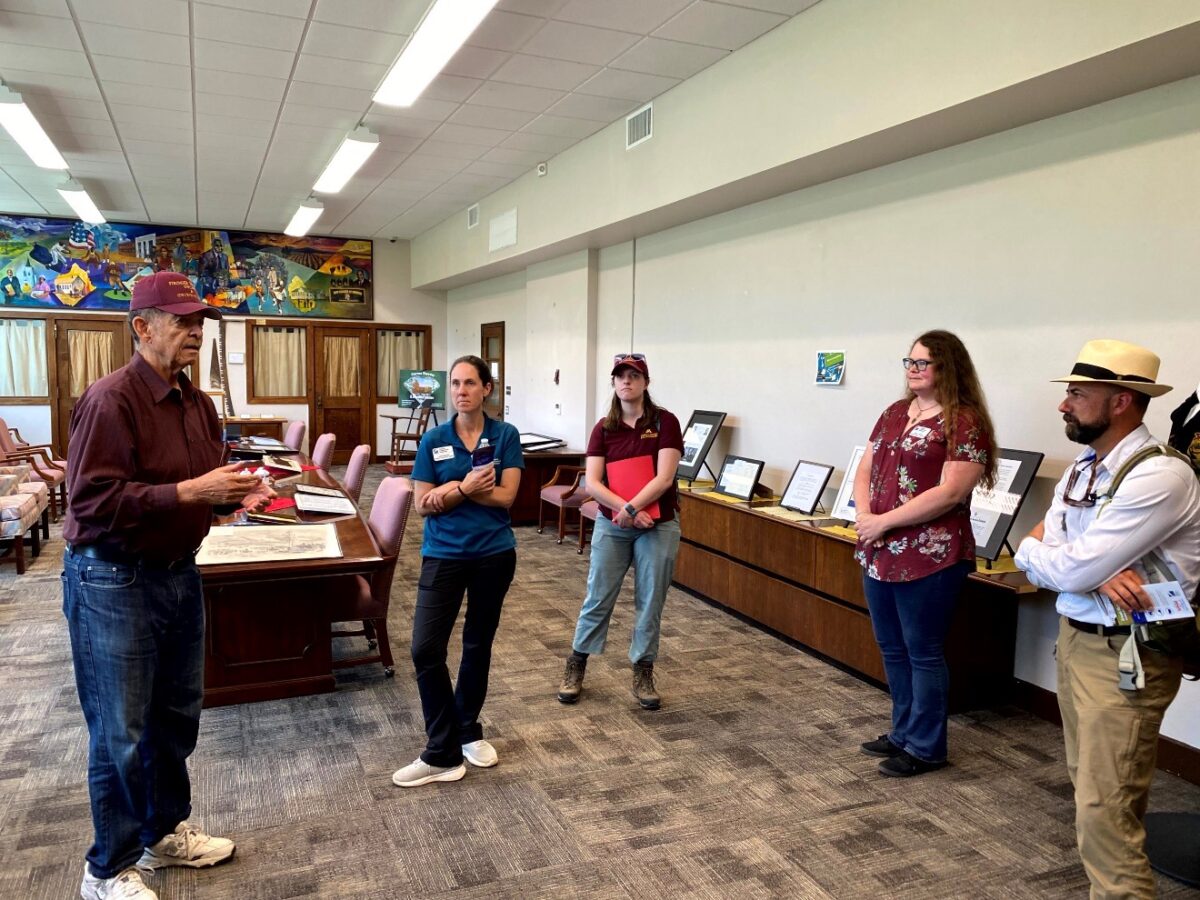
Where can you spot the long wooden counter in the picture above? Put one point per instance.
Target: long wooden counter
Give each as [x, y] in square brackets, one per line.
[804, 583]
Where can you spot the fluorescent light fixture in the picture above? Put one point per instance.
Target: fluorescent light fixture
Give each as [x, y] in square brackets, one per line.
[27, 131]
[73, 192]
[356, 148]
[305, 218]
[444, 29]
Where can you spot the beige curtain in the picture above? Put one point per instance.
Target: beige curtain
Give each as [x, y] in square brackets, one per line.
[279, 362]
[90, 354]
[341, 367]
[397, 350]
[23, 358]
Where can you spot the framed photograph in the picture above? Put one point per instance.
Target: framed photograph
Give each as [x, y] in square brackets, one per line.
[831, 366]
[805, 487]
[738, 477]
[698, 439]
[993, 512]
[843, 506]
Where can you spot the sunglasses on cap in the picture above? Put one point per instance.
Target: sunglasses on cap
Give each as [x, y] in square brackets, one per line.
[635, 357]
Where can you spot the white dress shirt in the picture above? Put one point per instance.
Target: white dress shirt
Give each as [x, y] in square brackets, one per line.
[1157, 507]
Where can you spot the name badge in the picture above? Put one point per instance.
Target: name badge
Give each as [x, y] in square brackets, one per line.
[441, 454]
[920, 431]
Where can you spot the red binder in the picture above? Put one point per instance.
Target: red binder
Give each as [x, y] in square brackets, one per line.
[628, 476]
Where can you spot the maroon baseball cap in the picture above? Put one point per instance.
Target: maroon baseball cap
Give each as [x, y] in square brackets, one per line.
[172, 293]
[632, 361]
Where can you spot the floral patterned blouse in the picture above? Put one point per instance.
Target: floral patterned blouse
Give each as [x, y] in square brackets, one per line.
[905, 463]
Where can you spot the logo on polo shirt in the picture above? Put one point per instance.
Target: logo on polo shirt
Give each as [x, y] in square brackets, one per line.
[649, 433]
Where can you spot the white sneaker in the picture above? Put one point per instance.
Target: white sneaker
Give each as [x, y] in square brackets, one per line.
[480, 753]
[127, 885]
[419, 772]
[188, 846]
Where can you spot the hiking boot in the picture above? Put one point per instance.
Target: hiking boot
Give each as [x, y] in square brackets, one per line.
[905, 765]
[572, 683]
[419, 772]
[881, 746]
[187, 846]
[127, 885]
[643, 686]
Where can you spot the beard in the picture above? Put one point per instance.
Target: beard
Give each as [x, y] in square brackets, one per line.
[1085, 432]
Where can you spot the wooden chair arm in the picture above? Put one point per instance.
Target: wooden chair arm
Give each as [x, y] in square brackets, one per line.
[561, 472]
[44, 451]
[16, 436]
[33, 460]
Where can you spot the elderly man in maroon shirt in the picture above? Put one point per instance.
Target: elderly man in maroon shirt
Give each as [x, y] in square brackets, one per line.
[144, 471]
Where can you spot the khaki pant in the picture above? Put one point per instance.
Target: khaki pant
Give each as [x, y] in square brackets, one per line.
[1112, 744]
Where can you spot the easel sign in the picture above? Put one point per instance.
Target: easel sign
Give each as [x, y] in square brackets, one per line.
[843, 506]
[739, 477]
[698, 439]
[994, 511]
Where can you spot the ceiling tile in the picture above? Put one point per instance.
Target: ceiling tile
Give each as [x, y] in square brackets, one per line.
[48, 108]
[113, 40]
[233, 84]
[396, 16]
[538, 71]
[563, 127]
[136, 71]
[364, 222]
[148, 129]
[246, 28]
[293, 138]
[41, 7]
[57, 126]
[478, 181]
[331, 95]
[503, 170]
[491, 117]
[627, 85]
[469, 134]
[504, 30]
[297, 9]
[410, 128]
[451, 87]
[655, 56]
[546, 8]
[170, 16]
[786, 7]
[351, 73]
[146, 95]
[585, 106]
[218, 207]
[165, 118]
[50, 85]
[414, 181]
[544, 143]
[475, 62]
[164, 150]
[428, 164]
[233, 124]
[244, 60]
[248, 144]
[245, 107]
[40, 31]
[324, 116]
[514, 156]
[453, 150]
[515, 96]
[579, 43]
[433, 110]
[718, 25]
[43, 59]
[342, 42]
[639, 16]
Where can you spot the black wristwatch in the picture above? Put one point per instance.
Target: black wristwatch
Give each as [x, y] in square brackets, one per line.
[631, 510]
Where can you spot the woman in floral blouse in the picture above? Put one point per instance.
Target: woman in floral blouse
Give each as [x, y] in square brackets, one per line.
[913, 493]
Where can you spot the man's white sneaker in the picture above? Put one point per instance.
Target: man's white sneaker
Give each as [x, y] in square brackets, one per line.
[419, 772]
[188, 846]
[480, 753]
[127, 885]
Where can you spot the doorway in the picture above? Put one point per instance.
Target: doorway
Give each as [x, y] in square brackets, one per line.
[343, 393]
[85, 350]
[492, 351]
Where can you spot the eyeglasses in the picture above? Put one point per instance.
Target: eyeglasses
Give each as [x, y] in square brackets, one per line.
[919, 364]
[1089, 494]
[621, 357]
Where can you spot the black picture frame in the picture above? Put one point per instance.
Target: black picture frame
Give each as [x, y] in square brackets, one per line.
[694, 454]
[531, 442]
[1028, 463]
[731, 459]
[828, 470]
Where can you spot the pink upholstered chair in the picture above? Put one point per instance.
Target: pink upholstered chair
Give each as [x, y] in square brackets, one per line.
[45, 466]
[356, 470]
[295, 434]
[358, 598]
[322, 454]
[564, 490]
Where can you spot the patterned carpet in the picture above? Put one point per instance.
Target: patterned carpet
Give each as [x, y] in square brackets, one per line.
[748, 783]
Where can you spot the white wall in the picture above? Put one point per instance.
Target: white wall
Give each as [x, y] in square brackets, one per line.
[496, 300]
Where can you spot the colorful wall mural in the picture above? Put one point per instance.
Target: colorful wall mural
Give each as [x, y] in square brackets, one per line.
[56, 264]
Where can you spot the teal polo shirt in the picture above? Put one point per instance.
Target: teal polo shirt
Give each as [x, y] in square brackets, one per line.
[470, 530]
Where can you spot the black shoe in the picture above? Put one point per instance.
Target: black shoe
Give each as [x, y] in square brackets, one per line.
[881, 746]
[905, 765]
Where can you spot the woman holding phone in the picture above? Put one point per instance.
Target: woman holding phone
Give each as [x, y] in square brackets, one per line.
[465, 478]
[912, 491]
[631, 460]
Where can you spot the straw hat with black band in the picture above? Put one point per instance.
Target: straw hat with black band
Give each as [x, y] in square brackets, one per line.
[1120, 364]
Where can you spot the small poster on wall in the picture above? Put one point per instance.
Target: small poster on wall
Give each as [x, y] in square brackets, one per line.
[831, 366]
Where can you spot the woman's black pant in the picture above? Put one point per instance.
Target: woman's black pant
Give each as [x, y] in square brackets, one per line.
[452, 712]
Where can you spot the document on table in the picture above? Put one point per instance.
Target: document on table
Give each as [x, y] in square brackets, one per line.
[229, 544]
[320, 503]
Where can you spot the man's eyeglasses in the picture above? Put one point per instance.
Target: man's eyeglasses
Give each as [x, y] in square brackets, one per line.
[919, 364]
[1089, 494]
[621, 357]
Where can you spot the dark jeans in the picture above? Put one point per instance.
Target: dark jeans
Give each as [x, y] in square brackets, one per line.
[452, 713]
[137, 641]
[911, 619]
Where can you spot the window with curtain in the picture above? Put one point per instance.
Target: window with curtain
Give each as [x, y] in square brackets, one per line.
[341, 367]
[280, 362]
[90, 355]
[23, 371]
[396, 350]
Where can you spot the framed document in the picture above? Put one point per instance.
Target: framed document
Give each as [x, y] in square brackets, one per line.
[843, 506]
[698, 438]
[993, 512]
[804, 488]
[738, 477]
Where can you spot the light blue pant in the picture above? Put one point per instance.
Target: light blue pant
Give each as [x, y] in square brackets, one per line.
[652, 552]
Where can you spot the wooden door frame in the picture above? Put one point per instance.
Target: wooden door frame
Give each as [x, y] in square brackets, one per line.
[318, 376]
[503, 363]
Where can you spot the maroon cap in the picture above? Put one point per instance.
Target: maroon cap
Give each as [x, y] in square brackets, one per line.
[172, 293]
[631, 361]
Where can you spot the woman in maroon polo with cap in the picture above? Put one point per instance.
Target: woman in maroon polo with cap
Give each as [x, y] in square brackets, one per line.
[631, 460]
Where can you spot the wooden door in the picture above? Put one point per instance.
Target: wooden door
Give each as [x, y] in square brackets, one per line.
[492, 351]
[84, 350]
[342, 388]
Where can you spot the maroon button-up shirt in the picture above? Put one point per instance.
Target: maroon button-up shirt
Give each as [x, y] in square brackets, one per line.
[133, 438]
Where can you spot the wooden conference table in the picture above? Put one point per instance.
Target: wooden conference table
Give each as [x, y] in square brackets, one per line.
[268, 626]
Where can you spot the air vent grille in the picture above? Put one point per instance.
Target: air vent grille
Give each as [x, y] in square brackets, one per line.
[639, 126]
[472, 215]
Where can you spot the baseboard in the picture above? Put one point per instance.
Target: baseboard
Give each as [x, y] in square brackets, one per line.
[1173, 756]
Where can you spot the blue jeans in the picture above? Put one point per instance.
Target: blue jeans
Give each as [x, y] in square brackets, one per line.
[137, 642]
[652, 552]
[911, 619]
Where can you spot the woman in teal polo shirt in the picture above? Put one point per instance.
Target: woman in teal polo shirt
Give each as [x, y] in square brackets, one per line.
[470, 549]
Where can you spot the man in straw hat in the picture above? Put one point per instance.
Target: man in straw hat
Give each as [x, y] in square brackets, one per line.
[144, 470]
[1100, 549]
